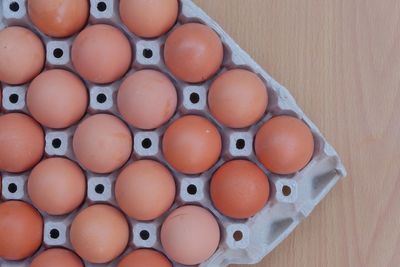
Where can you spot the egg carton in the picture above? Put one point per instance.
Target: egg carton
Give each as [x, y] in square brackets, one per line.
[292, 197]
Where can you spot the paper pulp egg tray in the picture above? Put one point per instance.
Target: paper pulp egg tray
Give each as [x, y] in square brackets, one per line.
[292, 197]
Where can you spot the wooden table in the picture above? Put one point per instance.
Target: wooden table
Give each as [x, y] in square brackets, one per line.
[341, 61]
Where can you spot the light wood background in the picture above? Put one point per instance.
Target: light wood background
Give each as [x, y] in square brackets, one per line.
[341, 61]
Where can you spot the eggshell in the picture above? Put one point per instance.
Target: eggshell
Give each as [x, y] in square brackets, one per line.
[21, 142]
[145, 190]
[192, 144]
[284, 145]
[149, 19]
[57, 186]
[239, 189]
[193, 52]
[190, 235]
[21, 55]
[57, 99]
[145, 258]
[238, 98]
[21, 230]
[58, 18]
[102, 143]
[147, 99]
[57, 257]
[99, 234]
[101, 53]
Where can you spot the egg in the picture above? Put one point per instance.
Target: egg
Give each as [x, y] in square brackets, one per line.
[145, 190]
[147, 99]
[284, 145]
[193, 52]
[238, 98]
[21, 142]
[102, 143]
[57, 186]
[149, 19]
[99, 233]
[21, 55]
[58, 18]
[190, 235]
[145, 258]
[192, 144]
[239, 189]
[21, 229]
[101, 54]
[57, 257]
[57, 99]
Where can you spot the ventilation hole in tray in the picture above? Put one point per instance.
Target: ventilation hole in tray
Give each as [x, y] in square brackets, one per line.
[194, 98]
[101, 6]
[54, 233]
[146, 143]
[240, 144]
[12, 188]
[56, 143]
[58, 53]
[14, 98]
[144, 235]
[148, 53]
[192, 189]
[14, 6]
[99, 189]
[238, 235]
[101, 98]
[286, 190]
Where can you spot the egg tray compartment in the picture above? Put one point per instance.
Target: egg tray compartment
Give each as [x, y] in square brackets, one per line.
[292, 197]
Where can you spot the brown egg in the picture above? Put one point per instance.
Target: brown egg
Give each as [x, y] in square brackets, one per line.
[239, 189]
[57, 186]
[101, 54]
[57, 257]
[145, 190]
[147, 99]
[21, 142]
[190, 235]
[58, 18]
[145, 258]
[21, 229]
[149, 19]
[238, 98]
[284, 145]
[57, 99]
[193, 52]
[102, 143]
[99, 234]
[192, 144]
[21, 55]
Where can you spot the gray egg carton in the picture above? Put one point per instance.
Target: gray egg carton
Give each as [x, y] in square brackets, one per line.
[242, 241]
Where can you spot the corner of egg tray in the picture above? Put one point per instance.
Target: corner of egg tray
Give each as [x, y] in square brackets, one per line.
[243, 241]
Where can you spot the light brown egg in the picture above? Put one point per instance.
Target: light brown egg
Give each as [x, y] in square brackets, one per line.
[57, 186]
[99, 234]
[58, 18]
[190, 235]
[101, 53]
[193, 52]
[57, 257]
[238, 98]
[57, 99]
[145, 190]
[239, 189]
[284, 145]
[145, 258]
[149, 19]
[21, 229]
[21, 55]
[21, 142]
[192, 144]
[147, 99]
[102, 143]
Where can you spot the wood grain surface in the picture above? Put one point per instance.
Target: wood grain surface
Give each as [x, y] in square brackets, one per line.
[341, 61]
